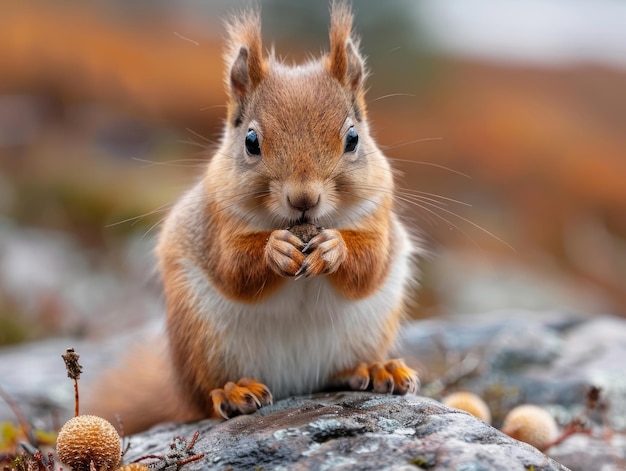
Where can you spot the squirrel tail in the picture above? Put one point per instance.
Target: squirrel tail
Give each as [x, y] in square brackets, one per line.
[141, 392]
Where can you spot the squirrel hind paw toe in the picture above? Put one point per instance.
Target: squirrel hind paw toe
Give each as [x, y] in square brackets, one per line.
[391, 377]
[406, 379]
[245, 397]
[261, 392]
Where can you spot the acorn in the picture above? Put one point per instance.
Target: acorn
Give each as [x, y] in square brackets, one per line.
[89, 439]
[531, 424]
[469, 402]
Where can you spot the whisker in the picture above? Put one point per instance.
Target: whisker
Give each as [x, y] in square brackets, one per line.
[191, 142]
[213, 107]
[408, 143]
[186, 39]
[256, 194]
[440, 217]
[272, 173]
[170, 163]
[407, 191]
[253, 209]
[152, 227]
[376, 203]
[392, 95]
[269, 169]
[424, 202]
[197, 134]
[473, 224]
[432, 196]
[431, 164]
[136, 219]
[223, 193]
[393, 194]
[418, 162]
[422, 198]
[397, 198]
[398, 188]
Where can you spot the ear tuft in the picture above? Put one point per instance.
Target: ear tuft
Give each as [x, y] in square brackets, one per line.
[344, 62]
[246, 66]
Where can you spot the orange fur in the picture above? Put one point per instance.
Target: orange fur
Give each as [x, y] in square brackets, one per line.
[343, 61]
[239, 285]
[369, 255]
[141, 392]
[235, 259]
[188, 349]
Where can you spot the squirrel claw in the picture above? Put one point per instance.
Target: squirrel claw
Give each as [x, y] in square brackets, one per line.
[391, 377]
[359, 378]
[307, 248]
[324, 254]
[302, 271]
[245, 397]
[405, 379]
[283, 253]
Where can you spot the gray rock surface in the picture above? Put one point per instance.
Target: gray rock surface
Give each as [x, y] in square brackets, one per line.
[349, 431]
[549, 359]
[507, 357]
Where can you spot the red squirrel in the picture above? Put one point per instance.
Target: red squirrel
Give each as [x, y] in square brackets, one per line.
[254, 312]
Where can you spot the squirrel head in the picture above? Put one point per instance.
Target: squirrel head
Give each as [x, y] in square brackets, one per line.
[297, 136]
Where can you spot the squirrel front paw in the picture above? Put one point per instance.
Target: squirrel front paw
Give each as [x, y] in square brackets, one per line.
[287, 255]
[284, 253]
[391, 377]
[245, 397]
[325, 253]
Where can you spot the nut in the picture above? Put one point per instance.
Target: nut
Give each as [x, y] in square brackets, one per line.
[531, 424]
[305, 231]
[468, 402]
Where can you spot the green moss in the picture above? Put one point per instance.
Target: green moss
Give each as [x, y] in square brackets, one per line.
[423, 461]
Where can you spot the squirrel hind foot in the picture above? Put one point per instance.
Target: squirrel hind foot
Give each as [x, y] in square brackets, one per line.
[391, 377]
[405, 379]
[244, 397]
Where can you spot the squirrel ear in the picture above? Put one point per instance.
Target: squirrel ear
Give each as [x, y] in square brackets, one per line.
[344, 62]
[239, 78]
[245, 61]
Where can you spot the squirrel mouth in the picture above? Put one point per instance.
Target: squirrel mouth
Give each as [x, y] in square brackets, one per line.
[303, 218]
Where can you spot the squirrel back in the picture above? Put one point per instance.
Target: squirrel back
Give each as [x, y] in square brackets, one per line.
[247, 296]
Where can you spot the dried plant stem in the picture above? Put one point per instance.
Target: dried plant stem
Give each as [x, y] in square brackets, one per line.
[76, 398]
[17, 411]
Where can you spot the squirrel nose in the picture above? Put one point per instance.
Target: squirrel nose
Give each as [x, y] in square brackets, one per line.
[303, 201]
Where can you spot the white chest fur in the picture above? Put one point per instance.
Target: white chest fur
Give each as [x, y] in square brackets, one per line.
[297, 338]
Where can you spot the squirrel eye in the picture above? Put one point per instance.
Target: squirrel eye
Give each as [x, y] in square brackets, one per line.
[252, 143]
[352, 140]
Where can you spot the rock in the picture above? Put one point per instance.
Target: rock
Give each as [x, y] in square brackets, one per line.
[583, 453]
[521, 357]
[354, 430]
[550, 359]
[508, 357]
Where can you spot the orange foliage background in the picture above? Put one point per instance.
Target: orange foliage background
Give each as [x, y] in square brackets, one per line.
[85, 88]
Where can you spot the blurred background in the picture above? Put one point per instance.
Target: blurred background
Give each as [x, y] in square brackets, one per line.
[510, 117]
